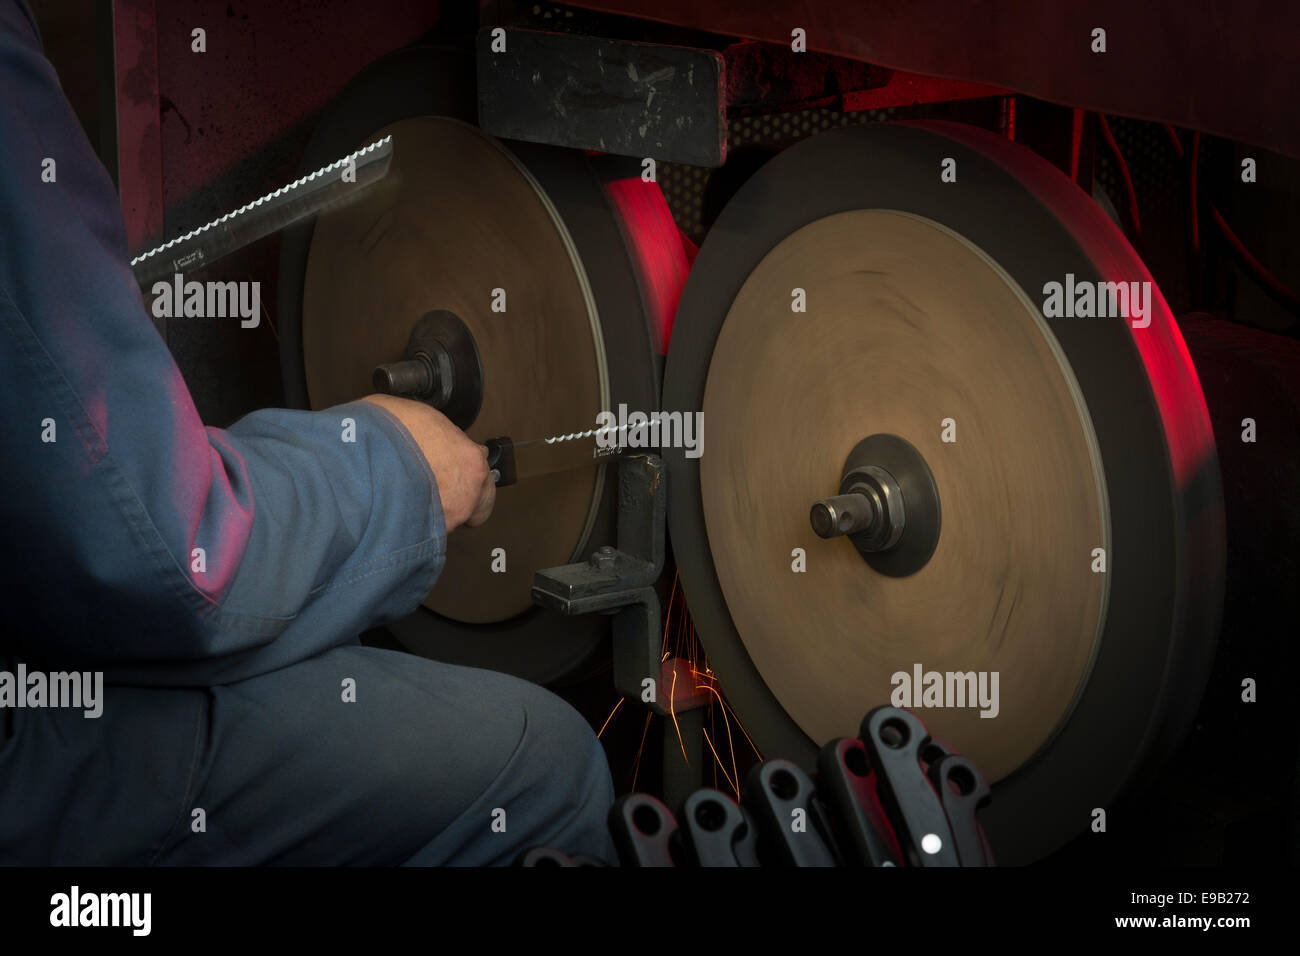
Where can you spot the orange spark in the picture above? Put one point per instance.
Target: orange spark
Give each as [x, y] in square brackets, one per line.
[673, 713]
[730, 782]
[609, 718]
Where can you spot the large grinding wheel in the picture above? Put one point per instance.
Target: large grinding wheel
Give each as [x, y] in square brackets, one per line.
[459, 216]
[456, 218]
[924, 322]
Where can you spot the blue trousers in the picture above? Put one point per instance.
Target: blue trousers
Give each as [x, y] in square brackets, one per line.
[430, 764]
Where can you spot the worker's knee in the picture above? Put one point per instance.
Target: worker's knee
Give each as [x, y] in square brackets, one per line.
[565, 757]
[537, 774]
[559, 780]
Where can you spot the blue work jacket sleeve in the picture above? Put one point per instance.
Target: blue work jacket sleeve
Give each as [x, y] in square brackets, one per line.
[130, 534]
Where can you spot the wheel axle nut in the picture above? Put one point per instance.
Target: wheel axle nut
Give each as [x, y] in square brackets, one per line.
[869, 508]
[842, 514]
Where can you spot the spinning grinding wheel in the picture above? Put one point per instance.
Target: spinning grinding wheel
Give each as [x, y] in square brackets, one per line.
[459, 217]
[456, 218]
[827, 433]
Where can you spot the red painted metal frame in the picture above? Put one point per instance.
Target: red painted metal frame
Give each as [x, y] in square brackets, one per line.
[1226, 67]
[139, 137]
[910, 89]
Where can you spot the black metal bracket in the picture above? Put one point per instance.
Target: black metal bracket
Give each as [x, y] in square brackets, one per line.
[930, 793]
[621, 581]
[714, 831]
[642, 828]
[895, 797]
[601, 93]
[792, 820]
[849, 785]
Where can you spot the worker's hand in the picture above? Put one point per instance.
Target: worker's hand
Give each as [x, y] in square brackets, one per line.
[460, 464]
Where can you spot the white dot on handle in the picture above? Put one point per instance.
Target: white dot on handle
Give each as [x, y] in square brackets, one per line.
[931, 843]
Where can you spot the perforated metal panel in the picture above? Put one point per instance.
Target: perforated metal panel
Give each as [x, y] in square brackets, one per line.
[683, 186]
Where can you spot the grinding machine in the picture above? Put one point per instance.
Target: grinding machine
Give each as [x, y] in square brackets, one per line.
[908, 462]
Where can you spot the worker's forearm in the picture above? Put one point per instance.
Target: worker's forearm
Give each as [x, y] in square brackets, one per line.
[347, 512]
[129, 531]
